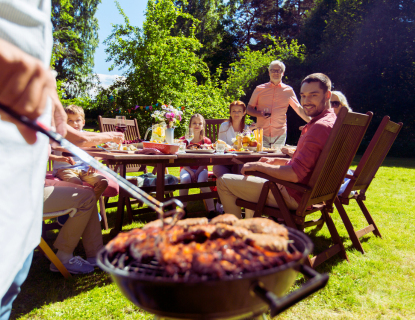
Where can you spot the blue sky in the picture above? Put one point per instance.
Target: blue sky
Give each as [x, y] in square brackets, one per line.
[107, 14]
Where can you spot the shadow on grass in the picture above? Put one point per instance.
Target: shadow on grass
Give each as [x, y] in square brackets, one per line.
[43, 287]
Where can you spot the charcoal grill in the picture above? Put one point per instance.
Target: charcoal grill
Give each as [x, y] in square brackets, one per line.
[197, 297]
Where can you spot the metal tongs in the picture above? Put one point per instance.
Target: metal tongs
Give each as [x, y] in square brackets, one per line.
[133, 190]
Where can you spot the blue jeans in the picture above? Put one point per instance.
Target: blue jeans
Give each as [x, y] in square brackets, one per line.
[14, 290]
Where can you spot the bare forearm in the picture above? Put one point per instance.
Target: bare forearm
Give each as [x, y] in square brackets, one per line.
[274, 161]
[252, 112]
[300, 111]
[282, 172]
[89, 139]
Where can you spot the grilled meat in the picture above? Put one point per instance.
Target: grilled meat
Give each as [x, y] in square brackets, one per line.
[157, 223]
[121, 242]
[263, 225]
[143, 247]
[225, 231]
[267, 241]
[202, 249]
[218, 258]
[226, 218]
[186, 223]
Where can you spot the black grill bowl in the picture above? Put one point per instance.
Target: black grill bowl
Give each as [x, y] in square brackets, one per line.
[236, 298]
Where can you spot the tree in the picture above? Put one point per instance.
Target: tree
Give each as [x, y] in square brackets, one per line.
[367, 48]
[278, 18]
[75, 36]
[213, 16]
[162, 66]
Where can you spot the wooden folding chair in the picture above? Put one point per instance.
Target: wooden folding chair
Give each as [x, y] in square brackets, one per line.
[212, 128]
[45, 247]
[212, 132]
[321, 191]
[132, 133]
[362, 177]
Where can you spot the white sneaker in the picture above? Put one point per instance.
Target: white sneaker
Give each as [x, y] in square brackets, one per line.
[219, 208]
[75, 265]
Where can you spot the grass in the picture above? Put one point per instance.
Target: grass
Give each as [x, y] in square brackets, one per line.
[377, 285]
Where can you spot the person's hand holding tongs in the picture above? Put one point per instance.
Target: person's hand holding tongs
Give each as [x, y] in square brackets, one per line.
[25, 86]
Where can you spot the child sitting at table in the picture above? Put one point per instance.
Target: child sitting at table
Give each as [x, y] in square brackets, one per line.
[197, 173]
[72, 169]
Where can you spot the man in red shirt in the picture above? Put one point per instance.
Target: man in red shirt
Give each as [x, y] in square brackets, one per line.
[269, 103]
[315, 98]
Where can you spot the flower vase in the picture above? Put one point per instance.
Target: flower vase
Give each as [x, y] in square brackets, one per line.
[170, 135]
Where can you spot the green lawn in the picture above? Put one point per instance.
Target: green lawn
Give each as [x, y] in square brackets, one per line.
[377, 285]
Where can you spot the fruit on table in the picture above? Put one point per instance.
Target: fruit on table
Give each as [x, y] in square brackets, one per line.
[246, 139]
[253, 144]
[132, 141]
[159, 131]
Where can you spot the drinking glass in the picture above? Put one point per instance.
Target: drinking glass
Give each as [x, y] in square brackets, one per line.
[220, 148]
[182, 147]
[276, 147]
[267, 113]
[189, 134]
[120, 124]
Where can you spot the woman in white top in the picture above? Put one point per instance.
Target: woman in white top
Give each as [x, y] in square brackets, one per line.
[228, 130]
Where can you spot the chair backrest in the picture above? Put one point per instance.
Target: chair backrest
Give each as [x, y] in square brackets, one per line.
[212, 128]
[132, 133]
[336, 157]
[374, 155]
[108, 124]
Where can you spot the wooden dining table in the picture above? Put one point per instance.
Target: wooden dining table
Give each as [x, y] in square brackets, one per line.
[161, 162]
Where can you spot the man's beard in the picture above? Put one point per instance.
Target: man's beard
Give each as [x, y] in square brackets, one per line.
[315, 111]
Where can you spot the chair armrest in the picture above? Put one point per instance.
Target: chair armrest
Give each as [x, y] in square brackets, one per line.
[296, 186]
[348, 176]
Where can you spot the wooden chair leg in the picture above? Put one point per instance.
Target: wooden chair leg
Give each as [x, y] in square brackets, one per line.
[103, 212]
[204, 203]
[262, 200]
[337, 247]
[282, 206]
[53, 258]
[349, 227]
[368, 217]
[129, 211]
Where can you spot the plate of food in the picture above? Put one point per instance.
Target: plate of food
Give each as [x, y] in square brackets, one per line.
[242, 152]
[125, 148]
[200, 150]
[269, 150]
